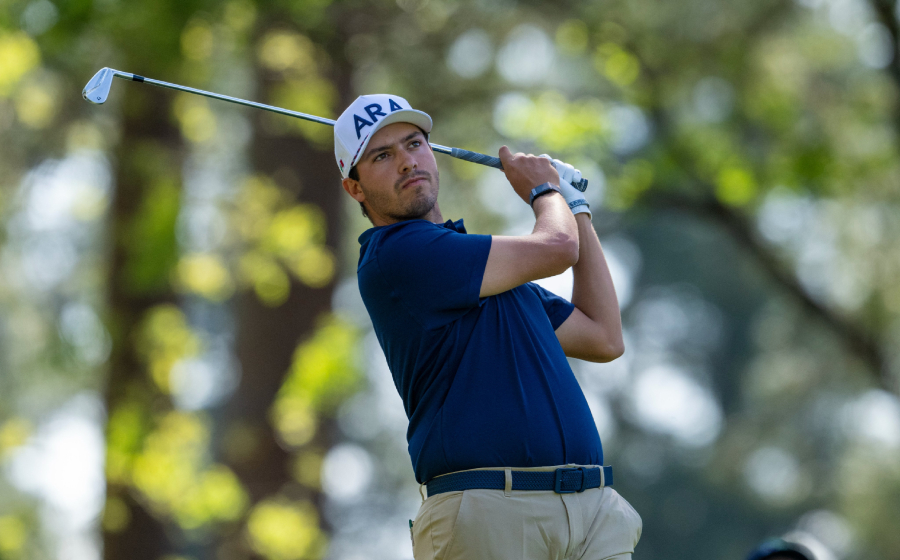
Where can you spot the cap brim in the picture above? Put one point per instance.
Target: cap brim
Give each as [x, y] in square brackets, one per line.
[418, 118]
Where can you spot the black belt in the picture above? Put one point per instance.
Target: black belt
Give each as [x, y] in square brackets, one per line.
[564, 480]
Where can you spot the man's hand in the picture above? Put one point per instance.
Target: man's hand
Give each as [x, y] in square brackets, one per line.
[525, 172]
[567, 176]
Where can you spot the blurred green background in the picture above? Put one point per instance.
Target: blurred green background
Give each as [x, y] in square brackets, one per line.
[186, 368]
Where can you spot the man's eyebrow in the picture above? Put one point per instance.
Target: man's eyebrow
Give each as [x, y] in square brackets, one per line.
[372, 151]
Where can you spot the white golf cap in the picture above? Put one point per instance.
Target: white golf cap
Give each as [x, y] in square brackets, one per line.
[363, 118]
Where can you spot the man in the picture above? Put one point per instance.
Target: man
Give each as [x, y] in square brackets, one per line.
[499, 429]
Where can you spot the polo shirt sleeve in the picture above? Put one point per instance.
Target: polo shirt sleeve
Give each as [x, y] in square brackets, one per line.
[435, 272]
[557, 308]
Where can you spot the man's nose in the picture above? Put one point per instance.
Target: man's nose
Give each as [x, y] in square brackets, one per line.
[407, 162]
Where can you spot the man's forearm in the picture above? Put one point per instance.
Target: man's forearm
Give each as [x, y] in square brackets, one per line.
[593, 292]
[550, 249]
[554, 220]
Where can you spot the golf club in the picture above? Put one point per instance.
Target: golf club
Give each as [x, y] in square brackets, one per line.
[97, 90]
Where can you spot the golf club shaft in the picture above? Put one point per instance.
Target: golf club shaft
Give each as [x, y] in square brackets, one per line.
[467, 155]
[458, 153]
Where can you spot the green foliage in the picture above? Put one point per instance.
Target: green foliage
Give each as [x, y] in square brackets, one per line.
[304, 86]
[163, 338]
[19, 54]
[279, 238]
[126, 429]
[552, 121]
[13, 536]
[13, 434]
[150, 242]
[325, 371]
[173, 472]
[284, 530]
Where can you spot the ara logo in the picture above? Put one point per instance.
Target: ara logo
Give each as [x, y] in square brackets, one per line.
[373, 111]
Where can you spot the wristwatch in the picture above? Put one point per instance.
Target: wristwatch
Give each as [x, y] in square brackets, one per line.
[541, 190]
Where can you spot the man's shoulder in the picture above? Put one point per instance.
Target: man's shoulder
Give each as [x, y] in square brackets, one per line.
[394, 240]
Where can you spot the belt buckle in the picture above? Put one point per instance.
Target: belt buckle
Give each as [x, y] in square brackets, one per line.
[557, 482]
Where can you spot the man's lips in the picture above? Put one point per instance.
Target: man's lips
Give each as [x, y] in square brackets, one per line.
[413, 182]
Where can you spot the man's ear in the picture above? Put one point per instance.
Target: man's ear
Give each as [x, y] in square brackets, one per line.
[353, 189]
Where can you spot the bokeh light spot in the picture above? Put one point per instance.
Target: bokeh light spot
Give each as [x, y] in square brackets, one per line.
[197, 121]
[197, 41]
[13, 534]
[471, 54]
[572, 37]
[735, 186]
[18, 55]
[282, 530]
[205, 274]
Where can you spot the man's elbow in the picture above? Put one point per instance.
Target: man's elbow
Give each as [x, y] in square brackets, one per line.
[565, 252]
[608, 350]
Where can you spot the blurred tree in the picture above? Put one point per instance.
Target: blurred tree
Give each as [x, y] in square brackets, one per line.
[155, 456]
[745, 157]
[170, 276]
[275, 430]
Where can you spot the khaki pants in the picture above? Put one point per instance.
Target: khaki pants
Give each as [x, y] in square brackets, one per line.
[596, 524]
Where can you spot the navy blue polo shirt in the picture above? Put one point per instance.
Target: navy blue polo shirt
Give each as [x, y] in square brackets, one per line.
[484, 381]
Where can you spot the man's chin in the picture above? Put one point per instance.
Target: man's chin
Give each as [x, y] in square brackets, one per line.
[418, 210]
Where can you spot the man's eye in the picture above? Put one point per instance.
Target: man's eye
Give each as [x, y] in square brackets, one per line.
[415, 143]
[380, 156]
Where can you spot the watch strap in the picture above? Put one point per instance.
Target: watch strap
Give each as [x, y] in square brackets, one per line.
[541, 190]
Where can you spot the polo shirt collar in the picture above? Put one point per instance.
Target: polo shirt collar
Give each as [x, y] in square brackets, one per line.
[456, 226]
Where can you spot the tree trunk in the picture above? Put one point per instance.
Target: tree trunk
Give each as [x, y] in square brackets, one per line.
[147, 153]
[268, 337]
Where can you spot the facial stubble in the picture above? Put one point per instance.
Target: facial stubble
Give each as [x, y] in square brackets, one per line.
[418, 206]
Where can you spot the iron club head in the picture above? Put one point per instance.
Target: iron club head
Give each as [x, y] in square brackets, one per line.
[97, 90]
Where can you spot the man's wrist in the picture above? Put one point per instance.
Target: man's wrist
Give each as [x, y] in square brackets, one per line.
[541, 190]
[582, 211]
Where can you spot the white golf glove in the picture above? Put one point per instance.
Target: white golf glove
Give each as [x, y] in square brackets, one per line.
[567, 176]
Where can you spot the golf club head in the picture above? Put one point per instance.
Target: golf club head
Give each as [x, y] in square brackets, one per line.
[97, 90]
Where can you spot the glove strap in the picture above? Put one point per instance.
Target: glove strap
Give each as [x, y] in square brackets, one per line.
[583, 208]
[579, 206]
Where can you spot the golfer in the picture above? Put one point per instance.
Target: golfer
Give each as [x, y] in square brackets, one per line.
[499, 430]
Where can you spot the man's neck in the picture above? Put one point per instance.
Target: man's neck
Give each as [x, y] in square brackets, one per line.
[433, 216]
